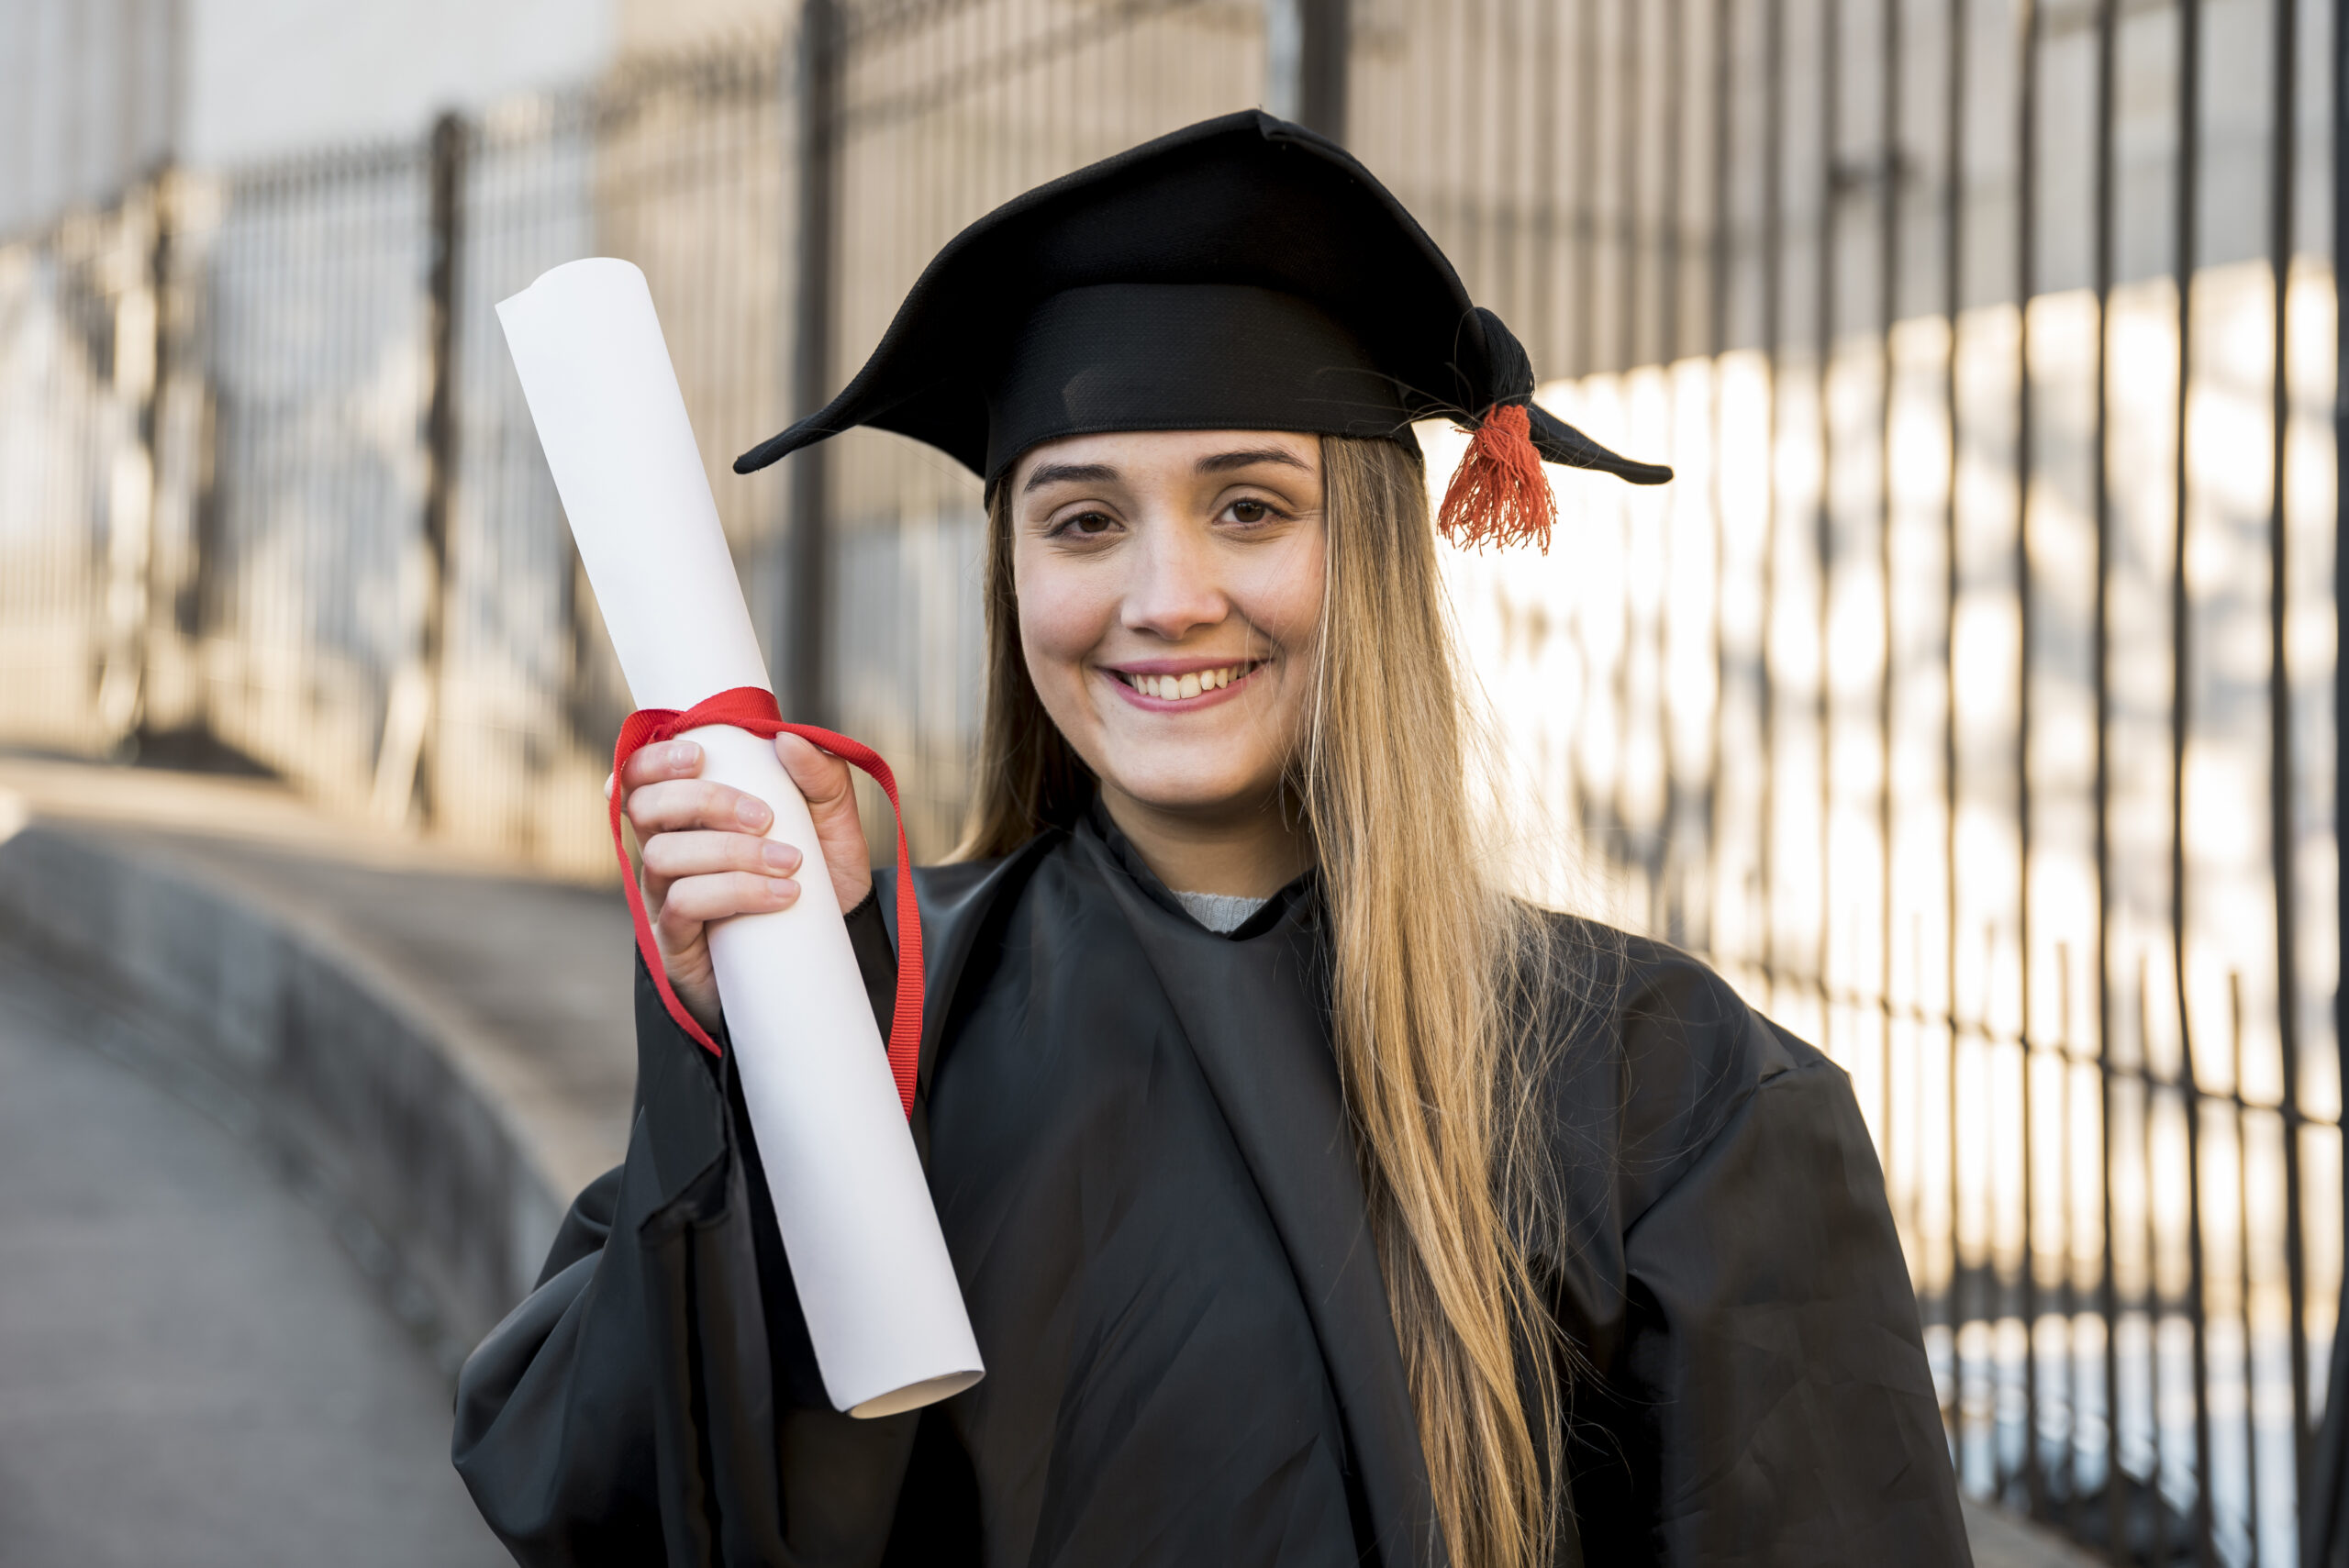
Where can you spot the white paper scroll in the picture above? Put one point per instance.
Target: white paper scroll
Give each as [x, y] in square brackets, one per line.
[879, 1292]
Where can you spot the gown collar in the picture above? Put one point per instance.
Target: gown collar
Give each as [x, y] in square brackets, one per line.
[1097, 823]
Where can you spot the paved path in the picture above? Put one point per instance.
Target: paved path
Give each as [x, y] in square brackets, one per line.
[192, 1370]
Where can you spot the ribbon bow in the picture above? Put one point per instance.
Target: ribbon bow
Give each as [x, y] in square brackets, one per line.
[752, 708]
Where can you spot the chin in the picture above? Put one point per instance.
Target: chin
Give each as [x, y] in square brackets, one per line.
[1187, 791]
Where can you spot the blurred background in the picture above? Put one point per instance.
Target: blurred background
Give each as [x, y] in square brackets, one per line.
[1971, 699]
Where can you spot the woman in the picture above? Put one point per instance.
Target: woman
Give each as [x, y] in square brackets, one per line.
[1314, 1201]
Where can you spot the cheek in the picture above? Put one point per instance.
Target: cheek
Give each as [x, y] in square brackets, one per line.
[1064, 612]
[1282, 599]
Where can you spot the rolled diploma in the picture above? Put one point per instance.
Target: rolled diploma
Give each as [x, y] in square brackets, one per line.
[883, 1307]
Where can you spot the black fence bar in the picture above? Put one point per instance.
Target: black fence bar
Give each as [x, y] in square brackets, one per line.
[2325, 1511]
[1954, 1309]
[2182, 708]
[2283, 826]
[2116, 1482]
[2026, 202]
[1671, 24]
[1888, 174]
[1639, 243]
[1825, 285]
[1544, 317]
[444, 248]
[1323, 65]
[1628, 74]
[1773, 270]
[822, 58]
[1587, 355]
[2244, 1275]
[1718, 257]
[1666, 906]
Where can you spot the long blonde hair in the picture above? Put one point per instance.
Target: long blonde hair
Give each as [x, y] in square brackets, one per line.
[1430, 977]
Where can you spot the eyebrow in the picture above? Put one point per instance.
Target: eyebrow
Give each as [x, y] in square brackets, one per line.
[1102, 473]
[1224, 462]
[1069, 473]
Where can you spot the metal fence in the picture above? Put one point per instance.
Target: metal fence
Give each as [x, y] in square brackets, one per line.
[1970, 699]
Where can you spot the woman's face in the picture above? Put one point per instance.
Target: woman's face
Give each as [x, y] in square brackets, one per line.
[1170, 587]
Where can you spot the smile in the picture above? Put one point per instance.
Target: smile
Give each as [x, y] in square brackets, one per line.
[1173, 689]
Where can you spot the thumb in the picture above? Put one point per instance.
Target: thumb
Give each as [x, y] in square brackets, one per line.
[822, 779]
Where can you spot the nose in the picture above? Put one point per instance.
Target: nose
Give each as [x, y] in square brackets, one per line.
[1176, 588]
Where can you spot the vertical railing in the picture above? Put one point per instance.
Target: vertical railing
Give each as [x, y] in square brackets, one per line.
[821, 60]
[2013, 776]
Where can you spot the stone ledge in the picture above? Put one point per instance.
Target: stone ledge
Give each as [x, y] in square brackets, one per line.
[377, 1086]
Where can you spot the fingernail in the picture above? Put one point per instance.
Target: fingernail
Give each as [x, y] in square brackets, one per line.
[782, 856]
[783, 887]
[684, 754]
[751, 813]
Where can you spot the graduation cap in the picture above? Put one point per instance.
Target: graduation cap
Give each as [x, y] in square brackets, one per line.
[1240, 273]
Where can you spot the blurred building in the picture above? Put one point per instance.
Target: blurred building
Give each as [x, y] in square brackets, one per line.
[98, 92]
[90, 99]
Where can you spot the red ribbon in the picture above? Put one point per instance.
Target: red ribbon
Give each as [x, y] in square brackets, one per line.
[752, 708]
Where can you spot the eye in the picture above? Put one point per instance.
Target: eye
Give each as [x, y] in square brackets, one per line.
[1250, 510]
[1082, 525]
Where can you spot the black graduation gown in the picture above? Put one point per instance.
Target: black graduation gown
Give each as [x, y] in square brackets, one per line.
[1142, 1167]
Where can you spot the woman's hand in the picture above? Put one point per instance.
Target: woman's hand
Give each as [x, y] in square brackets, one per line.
[705, 856]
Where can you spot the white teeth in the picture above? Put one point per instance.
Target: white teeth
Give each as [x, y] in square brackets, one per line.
[1182, 688]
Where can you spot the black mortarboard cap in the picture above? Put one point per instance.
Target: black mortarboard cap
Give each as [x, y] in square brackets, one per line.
[1240, 273]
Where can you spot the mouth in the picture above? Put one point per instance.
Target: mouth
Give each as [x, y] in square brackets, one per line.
[1175, 689]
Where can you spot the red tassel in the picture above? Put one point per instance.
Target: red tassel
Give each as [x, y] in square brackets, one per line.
[1499, 493]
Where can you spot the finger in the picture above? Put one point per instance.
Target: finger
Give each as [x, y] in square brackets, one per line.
[667, 805]
[671, 759]
[822, 779]
[696, 901]
[701, 853]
